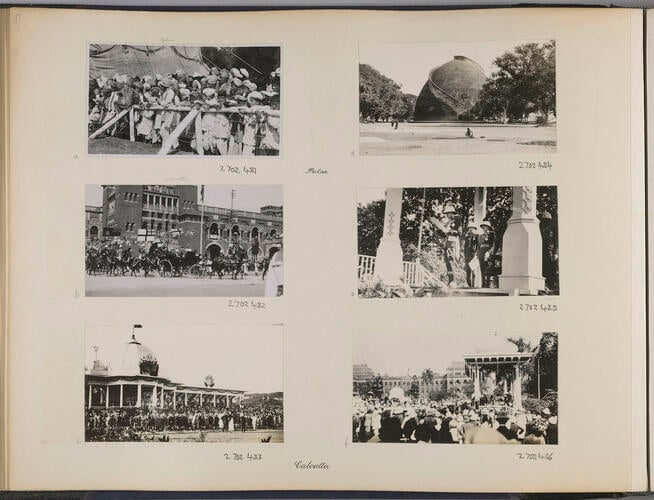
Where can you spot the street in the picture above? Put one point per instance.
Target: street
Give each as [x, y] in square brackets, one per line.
[156, 286]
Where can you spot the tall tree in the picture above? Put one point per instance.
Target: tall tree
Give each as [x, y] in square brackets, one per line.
[525, 81]
[414, 390]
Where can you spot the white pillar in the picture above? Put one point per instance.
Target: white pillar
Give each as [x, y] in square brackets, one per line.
[138, 395]
[121, 395]
[517, 389]
[388, 265]
[106, 396]
[475, 380]
[480, 204]
[214, 400]
[90, 394]
[522, 245]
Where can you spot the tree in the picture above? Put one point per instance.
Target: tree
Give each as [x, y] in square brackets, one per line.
[522, 344]
[414, 390]
[545, 365]
[380, 97]
[524, 82]
[427, 376]
[377, 386]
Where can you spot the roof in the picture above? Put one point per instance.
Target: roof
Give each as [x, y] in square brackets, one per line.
[147, 379]
[139, 60]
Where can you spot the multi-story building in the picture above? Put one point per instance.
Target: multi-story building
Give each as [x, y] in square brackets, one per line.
[173, 214]
[93, 222]
[457, 379]
[435, 389]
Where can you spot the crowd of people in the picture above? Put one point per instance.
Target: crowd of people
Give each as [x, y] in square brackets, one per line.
[451, 421]
[238, 117]
[133, 424]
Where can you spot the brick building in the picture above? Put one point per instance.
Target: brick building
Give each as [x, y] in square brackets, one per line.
[172, 214]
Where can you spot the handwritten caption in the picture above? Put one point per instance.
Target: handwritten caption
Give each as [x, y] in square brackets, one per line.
[539, 307]
[310, 465]
[246, 304]
[535, 456]
[316, 171]
[243, 457]
[535, 165]
[237, 170]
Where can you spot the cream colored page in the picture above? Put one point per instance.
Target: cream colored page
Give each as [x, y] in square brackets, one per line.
[320, 310]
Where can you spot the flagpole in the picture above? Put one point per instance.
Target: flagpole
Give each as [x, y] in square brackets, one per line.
[201, 222]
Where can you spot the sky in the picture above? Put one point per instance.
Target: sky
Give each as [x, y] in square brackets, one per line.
[248, 197]
[409, 64]
[246, 358]
[399, 353]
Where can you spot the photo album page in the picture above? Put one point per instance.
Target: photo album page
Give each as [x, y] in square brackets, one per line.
[332, 238]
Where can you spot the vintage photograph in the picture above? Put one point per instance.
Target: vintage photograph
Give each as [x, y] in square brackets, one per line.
[457, 241]
[455, 388]
[457, 98]
[184, 240]
[184, 100]
[173, 383]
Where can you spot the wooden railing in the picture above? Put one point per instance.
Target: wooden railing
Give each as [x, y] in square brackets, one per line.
[193, 113]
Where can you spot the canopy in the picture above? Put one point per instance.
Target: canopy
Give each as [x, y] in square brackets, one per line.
[139, 60]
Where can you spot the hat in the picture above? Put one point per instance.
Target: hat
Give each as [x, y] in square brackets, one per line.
[208, 92]
[237, 81]
[449, 209]
[546, 412]
[268, 93]
[255, 95]
[472, 225]
[250, 85]
[236, 73]
[245, 73]
[184, 92]
[231, 102]
[485, 223]
[214, 70]
[166, 83]
[212, 79]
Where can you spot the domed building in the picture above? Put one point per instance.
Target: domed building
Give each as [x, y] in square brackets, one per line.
[139, 385]
[451, 91]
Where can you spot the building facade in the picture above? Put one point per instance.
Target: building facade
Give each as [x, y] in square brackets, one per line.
[93, 226]
[173, 215]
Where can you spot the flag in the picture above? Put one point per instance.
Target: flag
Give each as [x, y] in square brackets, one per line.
[138, 326]
[202, 193]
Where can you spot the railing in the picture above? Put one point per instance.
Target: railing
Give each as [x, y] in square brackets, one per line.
[413, 272]
[194, 114]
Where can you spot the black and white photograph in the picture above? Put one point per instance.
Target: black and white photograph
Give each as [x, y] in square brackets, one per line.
[184, 241]
[457, 241]
[156, 383]
[457, 98]
[184, 100]
[455, 388]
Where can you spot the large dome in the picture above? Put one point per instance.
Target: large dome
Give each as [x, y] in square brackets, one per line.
[451, 90]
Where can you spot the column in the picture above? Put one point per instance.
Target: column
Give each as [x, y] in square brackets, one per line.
[214, 400]
[200, 400]
[185, 398]
[106, 396]
[138, 395]
[228, 398]
[90, 394]
[506, 389]
[174, 399]
[522, 245]
[121, 395]
[475, 380]
[480, 204]
[388, 265]
[517, 389]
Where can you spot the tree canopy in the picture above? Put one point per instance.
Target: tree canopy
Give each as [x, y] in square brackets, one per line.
[380, 98]
[524, 82]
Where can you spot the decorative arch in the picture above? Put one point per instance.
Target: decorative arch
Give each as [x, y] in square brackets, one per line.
[213, 250]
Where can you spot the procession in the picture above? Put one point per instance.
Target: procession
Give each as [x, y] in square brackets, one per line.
[136, 385]
[167, 240]
[459, 241]
[483, 389]
[221, 101]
